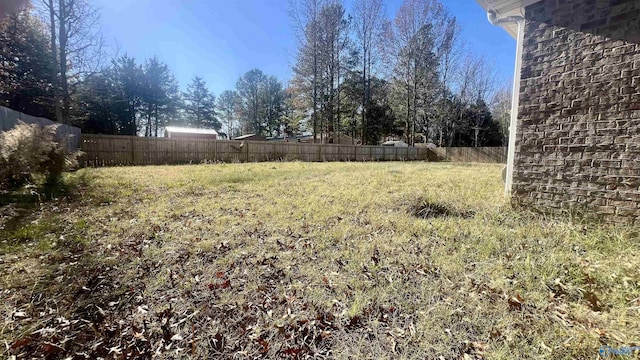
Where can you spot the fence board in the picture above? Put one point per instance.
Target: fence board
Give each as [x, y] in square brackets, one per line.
[105, 150]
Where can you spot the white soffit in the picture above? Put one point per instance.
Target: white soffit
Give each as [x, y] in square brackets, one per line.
[504, 8]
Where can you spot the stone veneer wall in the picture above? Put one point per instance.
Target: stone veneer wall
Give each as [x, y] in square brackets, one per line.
[578, 137]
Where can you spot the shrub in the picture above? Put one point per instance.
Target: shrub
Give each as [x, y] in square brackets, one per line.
[29, 151]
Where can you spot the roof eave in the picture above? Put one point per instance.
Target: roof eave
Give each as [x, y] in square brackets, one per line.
[504, 8]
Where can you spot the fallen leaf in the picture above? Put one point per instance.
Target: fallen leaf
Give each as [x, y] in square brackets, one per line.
[19, 314]
[376, 256]
[20, 343]
[594, 302]
[264, 344]
[292, 351]
[51, 349]
[515, 302]
[218, 342]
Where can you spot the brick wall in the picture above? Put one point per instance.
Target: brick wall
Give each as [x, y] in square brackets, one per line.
[578, 138]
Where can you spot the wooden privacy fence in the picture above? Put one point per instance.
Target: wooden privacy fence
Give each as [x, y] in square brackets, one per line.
[100, 150]
[105, 150]
[473, 154]
[69, 134]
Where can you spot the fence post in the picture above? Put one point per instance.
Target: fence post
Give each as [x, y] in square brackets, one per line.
[133, 152]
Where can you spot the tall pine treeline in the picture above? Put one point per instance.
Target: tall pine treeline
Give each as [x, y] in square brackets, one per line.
[356, 73]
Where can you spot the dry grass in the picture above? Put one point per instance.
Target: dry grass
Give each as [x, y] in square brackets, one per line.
[294, 260]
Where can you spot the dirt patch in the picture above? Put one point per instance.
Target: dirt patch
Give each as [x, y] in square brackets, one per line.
[430, 210]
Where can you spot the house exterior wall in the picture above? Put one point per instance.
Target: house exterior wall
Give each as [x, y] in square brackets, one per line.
[578, 135]
[254, 137]
[177, 135]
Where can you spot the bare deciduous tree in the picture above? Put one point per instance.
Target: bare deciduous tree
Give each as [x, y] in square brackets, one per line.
[501, 110]
[304, 15]
[421, 33]
[449, 51]
[76, 47]
[227, 103]
[477, 84]
[333, 40]
[368, 24]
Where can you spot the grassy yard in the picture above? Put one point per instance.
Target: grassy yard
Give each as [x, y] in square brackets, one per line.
[294, 260]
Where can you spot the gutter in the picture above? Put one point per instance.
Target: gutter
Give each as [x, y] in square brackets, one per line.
[495, 20]
[515, 100]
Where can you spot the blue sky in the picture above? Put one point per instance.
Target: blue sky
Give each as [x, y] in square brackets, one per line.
[220, 40]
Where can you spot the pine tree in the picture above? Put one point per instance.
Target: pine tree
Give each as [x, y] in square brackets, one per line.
[226, 105]
[199, 106]
[160, 95]
[25, 73]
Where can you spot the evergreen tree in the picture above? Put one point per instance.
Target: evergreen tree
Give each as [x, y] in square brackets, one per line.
[100, 105]
[128, 77]
[160, 96]
[199, 106]
[25, 73]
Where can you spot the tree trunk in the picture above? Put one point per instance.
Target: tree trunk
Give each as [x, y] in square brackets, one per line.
[476, 131]
[156, 120]
[147, 131]
[54, 63]
[415, 102]
[408, 121]
[64, 37]
[337, 127]
[364, 90]
[315, 70]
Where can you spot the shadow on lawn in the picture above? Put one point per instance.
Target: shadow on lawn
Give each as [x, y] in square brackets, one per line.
[57, 283]
[18, 206]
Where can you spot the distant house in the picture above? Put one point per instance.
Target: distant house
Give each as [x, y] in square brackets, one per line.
[286, 138]
[175, 132]
[395, 143]
[308, 139]
[251, 137]
[342, 139]
[426, 145]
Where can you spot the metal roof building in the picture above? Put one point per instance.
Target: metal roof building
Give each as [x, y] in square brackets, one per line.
[176, 132]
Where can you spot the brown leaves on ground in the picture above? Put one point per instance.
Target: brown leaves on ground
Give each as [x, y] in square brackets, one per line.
[172, 267]
[516, 302]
